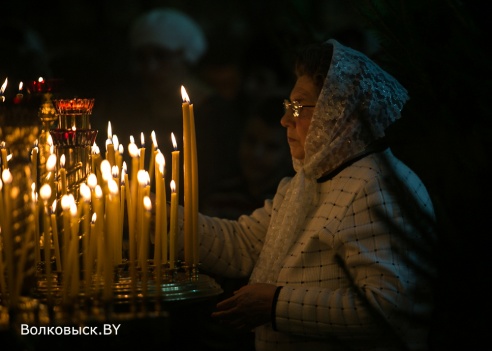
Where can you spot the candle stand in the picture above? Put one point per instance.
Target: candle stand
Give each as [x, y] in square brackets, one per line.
[57, 274]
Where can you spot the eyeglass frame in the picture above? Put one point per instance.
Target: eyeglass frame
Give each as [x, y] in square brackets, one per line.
[295, 107]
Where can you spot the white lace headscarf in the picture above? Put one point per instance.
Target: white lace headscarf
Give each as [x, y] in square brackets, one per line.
[357, 103]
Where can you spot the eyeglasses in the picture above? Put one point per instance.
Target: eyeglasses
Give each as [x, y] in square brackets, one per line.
[295, 107]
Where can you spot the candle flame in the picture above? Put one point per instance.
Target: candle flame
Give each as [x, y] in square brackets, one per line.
[105, 170]
[115, 171]
[65, 202]
[53, 206]
[92, 180]
[116, 142]
[7, 176]
[125, 168]
[147, 203]
[132, 139]
[95, 149]
[110, 131]
[51, 162]
[41, 80]
[21, 85]
[113, 187]
[94, 218]
[173, 186]
[85, 192]
[175, 144]
[154, 140]
[184, 95]
[142, 177]
[45, 192]
[121, 150]
[4, 86]
[133, 150]
[98, 191]
[160, 162]
[62, 160]
[142, 139]
[73, 209]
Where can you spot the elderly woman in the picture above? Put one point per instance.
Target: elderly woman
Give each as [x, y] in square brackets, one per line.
[337, 258]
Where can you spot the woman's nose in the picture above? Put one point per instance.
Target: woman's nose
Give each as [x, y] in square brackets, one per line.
[287, 119]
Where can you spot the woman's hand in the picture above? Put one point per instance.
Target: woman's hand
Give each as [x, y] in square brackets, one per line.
[249, 307]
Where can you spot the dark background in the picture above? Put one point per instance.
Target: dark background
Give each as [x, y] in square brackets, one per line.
[437, 49]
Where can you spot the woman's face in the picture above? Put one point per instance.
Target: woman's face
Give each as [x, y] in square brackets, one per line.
[305, 93]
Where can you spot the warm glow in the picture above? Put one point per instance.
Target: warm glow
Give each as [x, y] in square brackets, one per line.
[147, 203]
[4, 86]
[142, 139]
[73, 209]
[108, 142]
[110, 131]
[173, 186]
[92, 180]
[121, 150]
[62, 160]
[184, 95]
[95, 149]
[116, 142]
[133, 150]
[85, 192]
[115, 171]
[132, 139]
[94, 218]
[98, 191]
[65, 202]
[113, 187]
[160, 162]
[142, 177]
[175, 144]
[105, 170]
[53, 206]
[154, 140]
[45, 192]
[21, 85]
[7, 176]
[51, 163]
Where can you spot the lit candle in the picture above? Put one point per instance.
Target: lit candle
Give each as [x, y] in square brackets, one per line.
[85, 193]
[96, 161]
[194, 188]
[133, 151]
[56, 241]
[142, 238]
[153, 152]
[34, 164]
[142, 152]
[19, 96]
[121, 151]
[65, 203]
[148, 208]
[173, 225]
[110, 146]
[114, 222]
[118, 157]
[8, 243]
[34, 196]
[74, 251]
[45, 193]
[4, 158]
[62, 174]
[188, 203]
[160, 253]
[175, 164]
[50, 178]
[122, 212]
